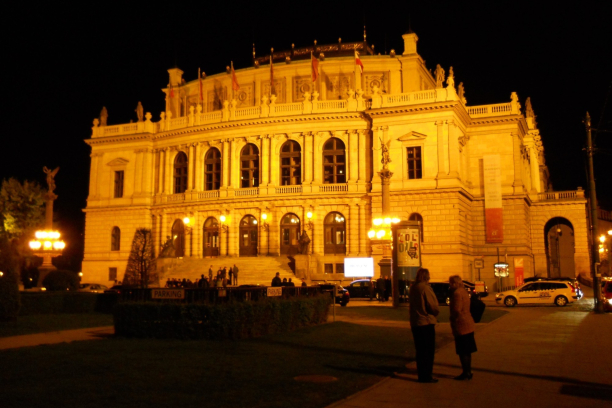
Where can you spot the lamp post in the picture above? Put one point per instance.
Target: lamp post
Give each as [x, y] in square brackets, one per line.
[266, 227]
[225, 230]
[47, 243]
[189, 232]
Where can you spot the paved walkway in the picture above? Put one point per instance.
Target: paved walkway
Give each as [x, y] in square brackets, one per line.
[532, 357]
[64, 336]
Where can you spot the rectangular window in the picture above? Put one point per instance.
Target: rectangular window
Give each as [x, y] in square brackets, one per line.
[414, 162]
[119, 184]
[340, 268]
[112, 274]
[329, 268]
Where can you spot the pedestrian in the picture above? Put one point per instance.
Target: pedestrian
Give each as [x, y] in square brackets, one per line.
[231, 275]
[387, 288]
[284, 283]
[235, 275]
[380, 289]
[290, 283]
[463, 326]
[371, 288]
[276, 281]
[224, 272]
[423, 312]
[304, 284]
[210, 274]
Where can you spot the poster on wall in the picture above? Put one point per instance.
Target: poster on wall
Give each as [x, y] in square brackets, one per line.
[519, 272]
[408, 247]
[494, 220]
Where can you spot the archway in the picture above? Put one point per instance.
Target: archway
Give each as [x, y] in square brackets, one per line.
[559, 241]
[210, 234]
[178, 238]
[248, 236]
[290, 234]
[335, 233]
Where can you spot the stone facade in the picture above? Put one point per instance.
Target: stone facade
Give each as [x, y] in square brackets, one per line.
[154, 174]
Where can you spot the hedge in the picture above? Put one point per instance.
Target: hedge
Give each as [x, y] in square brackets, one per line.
[66, 302]
[237, 320]
[61, 280]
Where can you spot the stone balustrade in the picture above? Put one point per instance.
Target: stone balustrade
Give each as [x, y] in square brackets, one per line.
[561, 195]
[310, 105]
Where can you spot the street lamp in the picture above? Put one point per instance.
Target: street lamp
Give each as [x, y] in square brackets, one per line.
[47, 245]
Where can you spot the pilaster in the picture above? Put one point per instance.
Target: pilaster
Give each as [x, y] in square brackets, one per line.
[440, 136]
[353, 158]
[353, 238]
[516, 152]
[318, 160]
[199, 169]
[362, 135]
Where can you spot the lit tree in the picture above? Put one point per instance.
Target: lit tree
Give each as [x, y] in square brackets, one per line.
[21, 207]
[141, 264]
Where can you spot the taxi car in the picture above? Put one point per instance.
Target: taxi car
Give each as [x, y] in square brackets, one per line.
[559, 293]
[606, 293]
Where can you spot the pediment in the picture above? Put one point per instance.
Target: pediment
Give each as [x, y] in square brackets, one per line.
[119, 161]
[411, 136]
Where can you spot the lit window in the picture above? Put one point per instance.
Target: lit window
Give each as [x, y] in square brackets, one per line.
[414, 162]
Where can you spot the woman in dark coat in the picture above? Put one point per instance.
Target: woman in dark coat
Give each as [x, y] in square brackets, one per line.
[463, 326]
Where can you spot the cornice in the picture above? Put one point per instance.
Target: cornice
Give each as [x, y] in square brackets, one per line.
[119, 139]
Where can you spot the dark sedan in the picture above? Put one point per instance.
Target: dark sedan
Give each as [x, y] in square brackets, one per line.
[342, 295]
[360, 288]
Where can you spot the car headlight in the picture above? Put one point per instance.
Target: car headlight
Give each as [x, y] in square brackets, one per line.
[609, 301]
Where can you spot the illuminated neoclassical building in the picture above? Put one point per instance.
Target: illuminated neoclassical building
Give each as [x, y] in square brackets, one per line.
[254, 159]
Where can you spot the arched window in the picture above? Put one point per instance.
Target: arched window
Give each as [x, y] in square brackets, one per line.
[212, 169]
[211, 237]
[334, 161]
[249, 166]
[178, 238]
[290, 234]
[417, 217]
[248, 236]
[180, 173]
[335, 233]
[116, 239]
[291, 163]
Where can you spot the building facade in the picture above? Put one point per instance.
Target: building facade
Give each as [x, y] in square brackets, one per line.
[241, 164]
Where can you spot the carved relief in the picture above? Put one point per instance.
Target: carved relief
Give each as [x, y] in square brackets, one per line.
[279, 87]
[215, 98]
[301, 85]
[245, 96]
[338, 86]
[378, 79]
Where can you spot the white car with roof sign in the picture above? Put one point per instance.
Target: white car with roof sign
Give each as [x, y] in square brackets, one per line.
[559, 293]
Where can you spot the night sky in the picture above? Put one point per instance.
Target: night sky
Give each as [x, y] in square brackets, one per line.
[62, 64]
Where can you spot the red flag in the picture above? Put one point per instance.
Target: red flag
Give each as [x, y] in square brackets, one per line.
[314, 67]
[235, 85]
[271, 76]
[171, 91]
[358, 62]
[201, 86]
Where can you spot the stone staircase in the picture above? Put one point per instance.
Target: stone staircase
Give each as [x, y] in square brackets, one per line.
[252, 270]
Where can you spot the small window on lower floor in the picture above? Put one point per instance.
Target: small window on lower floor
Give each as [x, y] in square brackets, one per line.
[340, 268]
[112, 274]
[329, 268]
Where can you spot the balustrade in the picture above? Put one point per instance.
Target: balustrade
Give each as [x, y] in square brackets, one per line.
[560, 195]
[333, 188]
[490, 110]
[288, 190]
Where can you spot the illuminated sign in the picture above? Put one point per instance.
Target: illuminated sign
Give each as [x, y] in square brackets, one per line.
[408, 247]
[501, 270]
[359, 267]
[275, 291]
[168, 294]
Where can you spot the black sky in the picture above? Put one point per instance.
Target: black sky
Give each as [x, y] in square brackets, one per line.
[62, 64]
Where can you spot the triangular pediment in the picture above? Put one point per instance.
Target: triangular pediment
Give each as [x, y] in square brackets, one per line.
[412, 136]
[119, 161]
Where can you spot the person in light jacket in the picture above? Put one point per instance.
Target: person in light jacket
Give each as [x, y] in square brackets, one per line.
[463, 326]
[423, 312]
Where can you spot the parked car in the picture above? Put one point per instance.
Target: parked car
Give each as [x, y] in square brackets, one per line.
[92, 287]
[471, 288]
[442, 291]
[360, 288]
[559, 293]
[119, 288]
[342, 295]
[606, 293]
[573, 281]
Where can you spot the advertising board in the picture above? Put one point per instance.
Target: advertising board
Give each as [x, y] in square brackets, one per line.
[358, 267]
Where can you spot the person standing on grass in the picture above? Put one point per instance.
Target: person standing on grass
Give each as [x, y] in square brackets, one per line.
[423, 312]
[235, 275]
[463, 326]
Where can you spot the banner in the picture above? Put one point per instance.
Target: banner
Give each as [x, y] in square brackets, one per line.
[494, 220]
[409, 250]
[519, 272]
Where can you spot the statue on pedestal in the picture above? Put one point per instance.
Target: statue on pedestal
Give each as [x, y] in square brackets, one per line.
[103, 116]
[439, 73]
[304, 242]
[50, 178]
[461, 93]
[139, 111]
[450, 81]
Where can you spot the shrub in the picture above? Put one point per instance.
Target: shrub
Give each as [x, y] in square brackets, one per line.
[66, 302]
[9, 296]
[237, 320]
[61, 280]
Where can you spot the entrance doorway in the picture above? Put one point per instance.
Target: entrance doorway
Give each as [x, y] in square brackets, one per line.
[210, 234]
[290, 234]
[559, 239]
[248, 236]
[178, 238]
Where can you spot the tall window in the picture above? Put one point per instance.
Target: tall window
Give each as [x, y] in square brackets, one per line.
[414, 162]
[112, 274]
[116, 239]
[249, 166]
[335, 233]
[119, 184]
[334, 161]
[178, 238]
[417, 217]
[180, 173]
[291, 166]
[212, 169]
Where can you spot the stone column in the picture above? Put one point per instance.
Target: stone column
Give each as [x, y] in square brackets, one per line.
[353, 159]
[441, 163]
[198, 169]
[93, 180]
[226, 162]
[363, 228]
[353, 230]
[197, 235]
[138, 172]
[379, 134]
[518, 165]
[147, 186]
[100, 171]
[362, 159]
[234, 170]
[453, 150]
[318, 231]
[535, 169]
[169, 171]
[164, 226]
[265, 160]
[190, 168]
[233, 233]
[307, 158]
[317, 160]
[157, 171]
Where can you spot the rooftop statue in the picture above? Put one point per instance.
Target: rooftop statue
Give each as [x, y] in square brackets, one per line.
[385, 153]
[50, 178]
[529, 109]
[139, 112]
[461, 93]
[103, 116]
[450, 81]
[439, 73]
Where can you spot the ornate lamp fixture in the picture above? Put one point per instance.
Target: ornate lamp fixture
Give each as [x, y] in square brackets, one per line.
[224, 228]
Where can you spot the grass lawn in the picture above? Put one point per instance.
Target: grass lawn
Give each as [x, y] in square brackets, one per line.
[402, 313]
[53, 322]
[119, 372]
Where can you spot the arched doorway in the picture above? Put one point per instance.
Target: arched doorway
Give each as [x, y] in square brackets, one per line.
[210, 234]
[178, 238]
[248, 236]
[290, 234]
[335, 233]
[559, 241]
